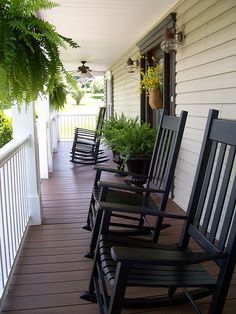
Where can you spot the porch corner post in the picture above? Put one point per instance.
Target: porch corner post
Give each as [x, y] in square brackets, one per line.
[55, 130]
[44, 137]
[24, 125]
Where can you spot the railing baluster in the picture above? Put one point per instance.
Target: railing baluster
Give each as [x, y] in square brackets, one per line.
[6, 221]
[2, 237]
[12, 194]
[1, 269]
[21, 192]
[25, 207]
[17, 199]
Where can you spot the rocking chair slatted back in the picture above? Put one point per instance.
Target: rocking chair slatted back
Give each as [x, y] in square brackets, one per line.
[101, 116]
[165, 155]
[85, 148]
[212, 223]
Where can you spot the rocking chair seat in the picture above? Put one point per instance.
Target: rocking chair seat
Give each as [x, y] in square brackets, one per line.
[183, 270]
[128, 198]
[125, 197]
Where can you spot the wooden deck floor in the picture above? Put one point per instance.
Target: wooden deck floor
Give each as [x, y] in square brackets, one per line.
[51, 271]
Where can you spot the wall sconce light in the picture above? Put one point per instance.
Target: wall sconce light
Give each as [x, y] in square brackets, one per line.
[131, 65]
[172, 40]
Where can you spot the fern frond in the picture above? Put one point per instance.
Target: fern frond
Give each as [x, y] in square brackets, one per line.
[57, 97]
[70, 41]
[28, 7]
[29, 47]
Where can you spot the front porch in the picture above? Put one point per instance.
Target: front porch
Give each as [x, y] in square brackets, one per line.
[51, 270]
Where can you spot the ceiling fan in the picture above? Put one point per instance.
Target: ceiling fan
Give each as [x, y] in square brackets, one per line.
[83, 68]
[84, 72]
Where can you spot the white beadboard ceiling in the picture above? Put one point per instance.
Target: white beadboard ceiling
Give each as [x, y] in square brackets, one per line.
[104, 29]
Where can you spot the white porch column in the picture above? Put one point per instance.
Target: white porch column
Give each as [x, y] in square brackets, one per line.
[54, 130]
[44, 137]
[23, 125]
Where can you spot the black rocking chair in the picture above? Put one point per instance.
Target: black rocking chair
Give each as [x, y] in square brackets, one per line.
[86, 144]
[210, 224]
[159, 181]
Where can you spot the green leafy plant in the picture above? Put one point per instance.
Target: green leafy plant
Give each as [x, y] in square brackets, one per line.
[136, 140]
[5, 129]
[112, 128]
[29, 47]
[57, 96]
[97, 87]
[78, 95]
[129, 138]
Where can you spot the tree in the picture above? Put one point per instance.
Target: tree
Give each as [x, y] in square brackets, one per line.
[5, 129]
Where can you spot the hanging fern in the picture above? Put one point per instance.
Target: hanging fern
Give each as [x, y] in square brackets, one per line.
[57, 97]
[29, 48]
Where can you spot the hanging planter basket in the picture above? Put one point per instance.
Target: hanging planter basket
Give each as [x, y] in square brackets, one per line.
[155, 98]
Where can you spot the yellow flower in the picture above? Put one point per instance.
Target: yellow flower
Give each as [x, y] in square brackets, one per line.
[152, 78]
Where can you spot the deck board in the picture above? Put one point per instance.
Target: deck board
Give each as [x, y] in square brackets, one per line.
[51, 270]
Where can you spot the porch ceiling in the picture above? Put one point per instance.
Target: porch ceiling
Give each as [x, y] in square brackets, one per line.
[104, 29]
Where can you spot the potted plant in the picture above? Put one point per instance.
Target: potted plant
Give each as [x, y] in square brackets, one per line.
[111, 130]
[135, 145]
[30, 62]
[131, 141]
[151, 81]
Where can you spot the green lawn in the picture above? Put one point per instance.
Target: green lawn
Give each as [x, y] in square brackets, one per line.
[90, 103]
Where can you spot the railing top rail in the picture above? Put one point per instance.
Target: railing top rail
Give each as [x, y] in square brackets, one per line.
[11, 148]
[77, 115]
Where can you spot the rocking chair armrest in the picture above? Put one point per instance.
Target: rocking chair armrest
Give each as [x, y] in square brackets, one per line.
[114, 170]
[115, 207]
[160, 257]
[78, 130]
[127, 187]
[108, 169]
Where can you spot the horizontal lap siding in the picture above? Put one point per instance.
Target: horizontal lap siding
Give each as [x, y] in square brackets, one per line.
[126, 87]
[205, 77]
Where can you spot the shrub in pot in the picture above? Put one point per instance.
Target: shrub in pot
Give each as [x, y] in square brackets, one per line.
[136, 146]
[134, 142]
[111, 130]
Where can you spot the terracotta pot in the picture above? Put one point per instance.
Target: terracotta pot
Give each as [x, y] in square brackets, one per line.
[155, 98]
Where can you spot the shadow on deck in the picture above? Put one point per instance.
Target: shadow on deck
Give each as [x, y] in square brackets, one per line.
[51, 270]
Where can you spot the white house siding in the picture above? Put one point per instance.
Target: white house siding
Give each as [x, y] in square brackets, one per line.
[205, 77]
[126, 96]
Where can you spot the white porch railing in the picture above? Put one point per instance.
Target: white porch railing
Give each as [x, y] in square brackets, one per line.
[14, 214]
[67, 124]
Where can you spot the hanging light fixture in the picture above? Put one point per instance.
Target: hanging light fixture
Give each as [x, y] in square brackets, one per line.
[131, 65]
[172, 40]
[85, 75]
